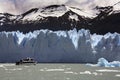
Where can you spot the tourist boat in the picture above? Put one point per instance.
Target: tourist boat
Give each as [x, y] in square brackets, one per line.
[27, 61]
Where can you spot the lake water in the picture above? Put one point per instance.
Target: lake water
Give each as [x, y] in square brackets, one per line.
[57, 72]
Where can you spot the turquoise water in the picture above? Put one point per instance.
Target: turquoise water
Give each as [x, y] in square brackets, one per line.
[57, 72]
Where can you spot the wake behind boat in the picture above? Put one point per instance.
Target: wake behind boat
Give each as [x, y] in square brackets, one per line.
[27, 61]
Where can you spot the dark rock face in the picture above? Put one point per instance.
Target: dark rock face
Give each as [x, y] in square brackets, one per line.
[103, 23]
[106, 22]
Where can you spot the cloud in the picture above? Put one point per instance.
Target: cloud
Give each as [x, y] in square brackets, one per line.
[6, 5]
[40, 3]
[19, 6]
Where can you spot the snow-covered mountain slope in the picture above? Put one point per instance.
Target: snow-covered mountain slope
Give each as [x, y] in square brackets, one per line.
[59, 46]
[20, 6]
[7, 17]
[59, 10]
[54, 17]
[52, 11]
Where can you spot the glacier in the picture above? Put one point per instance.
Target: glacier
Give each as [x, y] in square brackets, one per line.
[59, 46]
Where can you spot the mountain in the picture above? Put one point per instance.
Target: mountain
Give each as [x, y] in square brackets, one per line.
[62, 17]
[107, 21]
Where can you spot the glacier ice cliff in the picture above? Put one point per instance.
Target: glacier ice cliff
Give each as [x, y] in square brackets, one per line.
[59, 46]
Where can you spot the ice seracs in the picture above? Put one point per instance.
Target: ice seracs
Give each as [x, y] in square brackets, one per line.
[59, 46]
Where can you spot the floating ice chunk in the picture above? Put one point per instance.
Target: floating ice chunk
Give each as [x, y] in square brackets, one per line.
[42, 70]
[86, 72]
[15, 69]
[117, 75]
[69, 72]
[55, 70]
[104, 63]
[107, 70]
[1, 66]
[90, 73]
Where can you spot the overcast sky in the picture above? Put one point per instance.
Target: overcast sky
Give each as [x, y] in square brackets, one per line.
[19, 6]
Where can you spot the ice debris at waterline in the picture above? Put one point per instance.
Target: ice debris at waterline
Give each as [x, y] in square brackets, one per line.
[59, 46]
[102, 62]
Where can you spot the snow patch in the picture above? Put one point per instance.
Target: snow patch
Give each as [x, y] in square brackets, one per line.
[73, 17]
